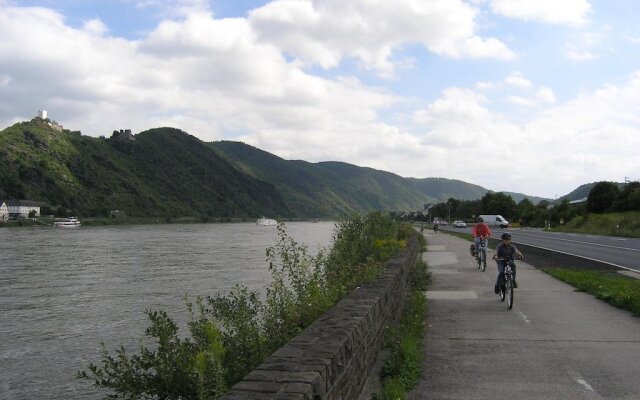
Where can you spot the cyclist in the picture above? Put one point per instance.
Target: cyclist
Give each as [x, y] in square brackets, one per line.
[505, 250]
[435, 227]
[480, 230]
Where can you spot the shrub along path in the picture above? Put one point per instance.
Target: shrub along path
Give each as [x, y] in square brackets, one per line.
[555, 343]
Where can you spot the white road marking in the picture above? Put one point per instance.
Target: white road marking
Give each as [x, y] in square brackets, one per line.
[584, 383]
[524, 317]
[591, 392]
[583, 242]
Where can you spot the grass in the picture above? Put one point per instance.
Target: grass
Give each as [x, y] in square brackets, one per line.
[618, 290]
[403, 367]
[625, 224]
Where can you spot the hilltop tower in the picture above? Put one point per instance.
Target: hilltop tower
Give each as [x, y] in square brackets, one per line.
[42, 114]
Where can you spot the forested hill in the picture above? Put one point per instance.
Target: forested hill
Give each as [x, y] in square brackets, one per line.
[163, 172]
[325, 188]
[321, 186]
[167, 172]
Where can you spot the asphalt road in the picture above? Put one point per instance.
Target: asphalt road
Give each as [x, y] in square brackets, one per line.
[624, 252]
[555, 344]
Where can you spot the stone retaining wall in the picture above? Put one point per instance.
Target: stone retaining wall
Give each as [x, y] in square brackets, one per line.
[333, 357]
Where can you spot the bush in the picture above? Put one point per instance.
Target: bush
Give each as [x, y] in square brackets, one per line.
[230, 335]
[614, 224]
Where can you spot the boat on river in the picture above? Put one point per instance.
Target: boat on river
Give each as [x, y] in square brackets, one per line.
[71, 222]
[266, 222]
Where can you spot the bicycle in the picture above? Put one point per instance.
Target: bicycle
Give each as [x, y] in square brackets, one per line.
[506, 286]
[481, 254]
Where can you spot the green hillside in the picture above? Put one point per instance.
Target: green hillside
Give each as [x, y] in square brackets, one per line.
[325, 188]
[443, 189]
[335, 187]
[163, 172]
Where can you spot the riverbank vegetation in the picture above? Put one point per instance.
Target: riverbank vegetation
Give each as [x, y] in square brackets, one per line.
[403, 367]
[618, 290]
[229, 335]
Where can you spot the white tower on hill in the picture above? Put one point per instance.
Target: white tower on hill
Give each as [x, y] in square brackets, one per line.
[42, 114]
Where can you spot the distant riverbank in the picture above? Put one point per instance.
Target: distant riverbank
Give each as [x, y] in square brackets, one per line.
[92, 221]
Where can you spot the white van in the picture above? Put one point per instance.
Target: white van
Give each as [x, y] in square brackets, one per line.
[495, 220]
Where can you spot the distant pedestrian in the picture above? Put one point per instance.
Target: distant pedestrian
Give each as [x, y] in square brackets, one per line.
[435, 227]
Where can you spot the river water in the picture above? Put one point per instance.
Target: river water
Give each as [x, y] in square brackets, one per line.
[63, 291]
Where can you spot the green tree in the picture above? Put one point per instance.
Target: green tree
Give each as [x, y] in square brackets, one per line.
[499, 203]
[602, 197]
[629, 198]
[526, 212]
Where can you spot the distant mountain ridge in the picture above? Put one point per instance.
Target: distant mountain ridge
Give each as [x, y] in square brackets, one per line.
[366, 187]
[167, 172]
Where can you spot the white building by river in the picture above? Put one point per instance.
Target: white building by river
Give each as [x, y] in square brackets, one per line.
[4, 211]
[22, 208]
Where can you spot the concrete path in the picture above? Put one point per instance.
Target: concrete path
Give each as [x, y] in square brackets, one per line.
[555, 343]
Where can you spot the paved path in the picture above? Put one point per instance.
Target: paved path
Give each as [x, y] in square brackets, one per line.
[554, 344]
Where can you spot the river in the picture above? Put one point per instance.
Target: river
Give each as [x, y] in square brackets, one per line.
[63, 291]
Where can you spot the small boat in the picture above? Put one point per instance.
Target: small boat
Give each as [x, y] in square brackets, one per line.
[266, 222]
[71, 222]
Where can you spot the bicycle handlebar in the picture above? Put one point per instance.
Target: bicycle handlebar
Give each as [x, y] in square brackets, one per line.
[508, 258]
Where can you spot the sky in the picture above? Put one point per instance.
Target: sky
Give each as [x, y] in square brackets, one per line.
[530, 96]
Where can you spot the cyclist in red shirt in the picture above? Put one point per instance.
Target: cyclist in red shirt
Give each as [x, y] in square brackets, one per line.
[480, 230]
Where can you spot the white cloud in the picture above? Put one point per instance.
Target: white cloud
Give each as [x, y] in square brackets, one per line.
[522, 101]
[631, 38]
[485, 85]
[95, 26]
[174, 7]
[583, 47]
[563, 12]
[594, 137]
[580, 55]
[325, 32]
[546, 95]
[517, 79]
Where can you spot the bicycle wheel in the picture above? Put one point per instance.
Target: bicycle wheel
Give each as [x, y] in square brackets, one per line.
[483, 260]
[509, 290]
[502, 291]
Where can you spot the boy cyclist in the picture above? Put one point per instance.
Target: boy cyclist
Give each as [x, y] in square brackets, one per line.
[480, 230]
[505, 250]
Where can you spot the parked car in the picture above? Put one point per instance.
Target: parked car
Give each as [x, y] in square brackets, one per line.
[459, 224]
